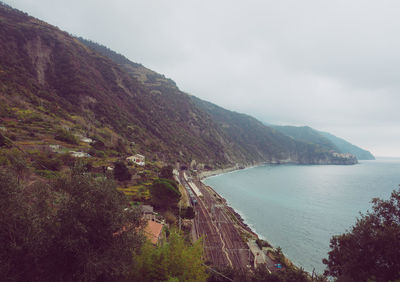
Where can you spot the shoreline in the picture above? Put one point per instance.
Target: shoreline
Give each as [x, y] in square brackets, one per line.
[210, 173]
[239, 218]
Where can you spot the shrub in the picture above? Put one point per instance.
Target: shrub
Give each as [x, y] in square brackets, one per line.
[189, 213]
[65, 136]
[121, 172]
[370, 250]
[166, 172]
[165, 193]
[47, 173]
[46, 161]
[76, 229]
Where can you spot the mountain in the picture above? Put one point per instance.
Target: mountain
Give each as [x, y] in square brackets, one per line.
[248, 138]
[308, 135]
[53, 85]
[346, 147]
[324, 140]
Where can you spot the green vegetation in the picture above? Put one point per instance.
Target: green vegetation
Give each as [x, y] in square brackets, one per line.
[370, 251]
[4, 141]
[175, 260]
[189, 213]
[121, 172]
[65, 136]
[166, 172]
[139, 192]
[75, 225]
[324, 140]
[63, 231]
[165, 193]
[347, 147]
[261, 244]
[260, 274]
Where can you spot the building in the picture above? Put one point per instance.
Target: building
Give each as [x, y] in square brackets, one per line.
[148, 212]
[55, 148]
[153, 232]
[87, 140]
[79, 154]
[136, 159]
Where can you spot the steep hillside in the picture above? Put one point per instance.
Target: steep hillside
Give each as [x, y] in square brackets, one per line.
[347, 147]
[265, 143]
[52, 82]
[324, 140]
[248, 138]
[47, 72]
[308, 135]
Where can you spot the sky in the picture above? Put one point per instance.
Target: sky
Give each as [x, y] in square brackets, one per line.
[331, 65]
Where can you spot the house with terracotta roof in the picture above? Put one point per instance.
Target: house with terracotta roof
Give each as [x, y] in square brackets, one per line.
[153, 232]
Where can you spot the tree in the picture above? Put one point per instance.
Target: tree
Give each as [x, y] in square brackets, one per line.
[166, 172]
[121, 172]
[371, 249]
[189, 213]
[175, 260]
[165, 193]
[75, 229]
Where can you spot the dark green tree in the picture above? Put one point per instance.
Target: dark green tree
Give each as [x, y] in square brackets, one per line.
[166, 172]
[76, 229]
[121, 172]
[371, 249]
[189, 213]
[165, 193]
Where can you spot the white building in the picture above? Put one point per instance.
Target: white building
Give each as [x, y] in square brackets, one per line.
[79, 154]
[137, 159]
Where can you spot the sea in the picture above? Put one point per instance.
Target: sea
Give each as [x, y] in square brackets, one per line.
[300, 207]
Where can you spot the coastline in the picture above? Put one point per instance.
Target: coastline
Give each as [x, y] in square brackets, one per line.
[201, 176]
[209, 173]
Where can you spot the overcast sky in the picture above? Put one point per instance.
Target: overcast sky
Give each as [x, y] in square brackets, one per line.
[332, 65]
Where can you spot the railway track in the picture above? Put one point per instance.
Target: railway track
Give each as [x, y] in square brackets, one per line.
[223, 242]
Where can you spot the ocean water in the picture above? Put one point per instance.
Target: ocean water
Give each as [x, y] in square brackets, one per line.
[300, 207]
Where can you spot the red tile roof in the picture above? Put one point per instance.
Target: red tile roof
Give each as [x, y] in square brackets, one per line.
[153, 231]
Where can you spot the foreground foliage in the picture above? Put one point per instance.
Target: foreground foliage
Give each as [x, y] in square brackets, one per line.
[175, 260]
[260, 274]
[66, 230]
[371, 249]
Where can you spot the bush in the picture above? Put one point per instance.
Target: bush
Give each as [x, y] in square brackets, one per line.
[121, 172]
[96, 153]
[166, 172]
[165, 193]
[262, 243]
[65, 136]
[4, 141]
[189, 213]
[370, 251]
[46, 161]
[76, 229]
[47, 173]
[175, 260]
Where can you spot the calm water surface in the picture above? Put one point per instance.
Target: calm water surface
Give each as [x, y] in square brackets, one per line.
[299, 208]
